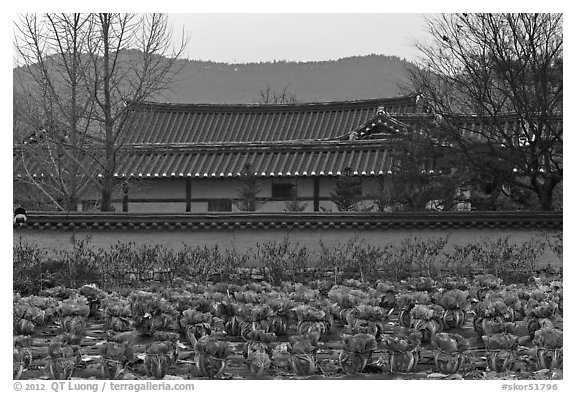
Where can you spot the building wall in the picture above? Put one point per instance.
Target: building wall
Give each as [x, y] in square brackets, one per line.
[158, 188]
[216, 188]
[169, 195]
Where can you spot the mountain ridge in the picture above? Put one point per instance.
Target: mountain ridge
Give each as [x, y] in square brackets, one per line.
[345, 79]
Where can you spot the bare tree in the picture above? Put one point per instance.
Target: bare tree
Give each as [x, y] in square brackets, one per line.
[506, 70]
[122, 59]
[52, 110]
[271, 96]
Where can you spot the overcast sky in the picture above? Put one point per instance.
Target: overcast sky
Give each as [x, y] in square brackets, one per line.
[251, 37]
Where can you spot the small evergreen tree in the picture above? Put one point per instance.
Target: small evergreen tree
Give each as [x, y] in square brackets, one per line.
[248, 190]
[347, 192]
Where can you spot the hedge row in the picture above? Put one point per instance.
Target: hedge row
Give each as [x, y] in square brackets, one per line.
[126, 264]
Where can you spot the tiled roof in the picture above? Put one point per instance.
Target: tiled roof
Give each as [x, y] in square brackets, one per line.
[36, 168]
[215, 141]
[365, 158]
[199, 123]
[221, 161]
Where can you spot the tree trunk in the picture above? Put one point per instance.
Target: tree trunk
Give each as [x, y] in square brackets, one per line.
[108, 181]
[109, 149]
[72, 204]
[545, 198]
[545, 192]
[106, 200]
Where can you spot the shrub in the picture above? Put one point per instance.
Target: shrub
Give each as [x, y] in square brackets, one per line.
[127, 264]
[556, 244]
[353, 259]
[414, 256]
[281, 260]
[115, 262]
[458, 263]
[168, 264]
[34, 269]
[28, 267]
[510, 262]
[490, 256]
[80, 264]
[525, 261]
[365, 260]
[425, 254]
[233, 261]
[393, 264]
[206, 263]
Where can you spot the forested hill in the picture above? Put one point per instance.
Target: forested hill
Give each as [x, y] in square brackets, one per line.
[351, 78]
[373, 76]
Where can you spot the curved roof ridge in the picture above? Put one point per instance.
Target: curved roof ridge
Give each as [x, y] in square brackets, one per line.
[173, 123]
[314, 143]
[371, 102]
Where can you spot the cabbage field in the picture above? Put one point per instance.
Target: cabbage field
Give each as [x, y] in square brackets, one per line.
[475, 327]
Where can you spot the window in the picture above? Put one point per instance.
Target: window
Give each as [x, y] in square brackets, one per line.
[219, 205]
[282, 190]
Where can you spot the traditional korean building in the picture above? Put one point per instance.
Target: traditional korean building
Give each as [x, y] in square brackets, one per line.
[189, 157]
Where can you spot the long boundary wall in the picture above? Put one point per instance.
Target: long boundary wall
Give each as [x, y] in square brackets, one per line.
[242, 231]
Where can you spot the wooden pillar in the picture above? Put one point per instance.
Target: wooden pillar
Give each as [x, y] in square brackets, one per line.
[188, 194]
[125, 199]
[316, 193]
